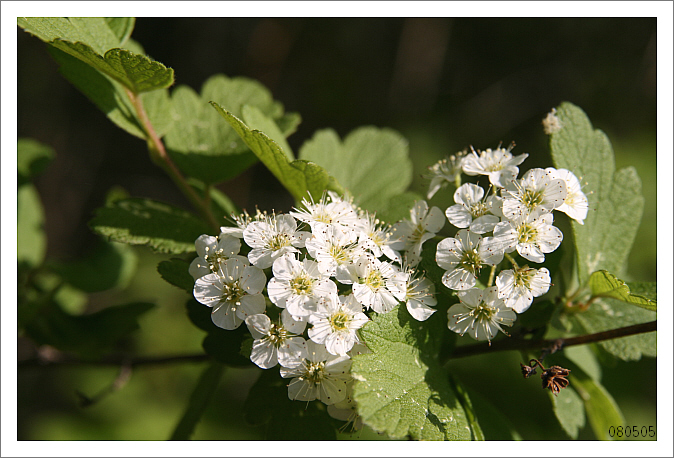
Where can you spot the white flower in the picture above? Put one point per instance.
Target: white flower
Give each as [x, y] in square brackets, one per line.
[462, 257]
[481, 313]
[241, 222]
[417, 292]
[532, 235]
[320, 376]
[538, 190]
[234, 293]
[338, 212]
[271, 238]
[335, 323]
[519, 287]
[332, 246]
[374, 236]
[471, 211]
[552, 124]
[575, 204]
[445, 171]
[296, 285]
[411, 234]
[211, 251]
[499, 165]
[276, 343]
[369, 277]
[346, 410]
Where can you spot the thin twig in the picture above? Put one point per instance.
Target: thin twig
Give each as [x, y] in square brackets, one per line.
[520, 344]
[61, 359]
[162, 159]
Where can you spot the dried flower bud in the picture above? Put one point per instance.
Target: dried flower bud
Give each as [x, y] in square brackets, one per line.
[554, 378]
[528, 371]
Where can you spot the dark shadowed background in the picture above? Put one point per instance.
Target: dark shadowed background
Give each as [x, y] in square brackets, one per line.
[443, 83]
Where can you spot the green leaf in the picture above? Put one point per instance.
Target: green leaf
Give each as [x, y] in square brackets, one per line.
[268, 404]
[583, 357]
[602, 411]
[606, 314]
[372, 163]
[109, 265]
[606, 238]
[165, 228]
[136, 72]
[199, 402]
[255, 119]
[122, 27]
[88, 335]
[605, 284]
[100, 34]
[466, 403]
[31, 239]
[494, 424]
[32, 158]
[206, 148]
[400, 388]
[569, 410]
[298, 177]
[176, 272]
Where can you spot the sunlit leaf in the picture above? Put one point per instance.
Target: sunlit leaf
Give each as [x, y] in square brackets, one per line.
[605, 284]
[400, 388]
[31, 239]
[32, 158]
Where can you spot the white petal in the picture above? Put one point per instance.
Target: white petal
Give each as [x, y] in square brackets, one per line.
[264, 354]
[483, 224]
[250, 305]
[419, 311]
[205, 244]
[301, 390]
[459, 216]
[252, 280]
[224, 317]
[434, 221]
[332, 391]
[199, 267]
[292, 352]
[458, 279]
[258, 325]
[292, 325]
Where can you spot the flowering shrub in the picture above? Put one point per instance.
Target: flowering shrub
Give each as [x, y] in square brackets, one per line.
[358, 296]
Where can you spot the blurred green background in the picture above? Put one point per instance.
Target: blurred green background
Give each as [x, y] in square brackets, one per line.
[445, 84]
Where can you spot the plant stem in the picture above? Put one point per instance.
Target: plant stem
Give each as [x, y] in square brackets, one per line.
[521, 344]
[160, 158]
[512, 260]
[61, 359]
[491, 276]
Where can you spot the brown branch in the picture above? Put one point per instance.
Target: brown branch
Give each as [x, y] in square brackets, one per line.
[56, 358]
[162, 159]
[513, 344]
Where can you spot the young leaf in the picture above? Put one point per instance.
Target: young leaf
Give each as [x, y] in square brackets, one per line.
[31, 239]
[136, 72]
[605, 240]
[99, 33]
[400, 388]
[199, 401]
[206, 148]
[568, 408]
[32, 158]
[165, 228]
[255, 119]
[373, 164]
[606, 314]
[122, 27]
[298, 177]
[175, 271]
[109, 265]
[605, 284]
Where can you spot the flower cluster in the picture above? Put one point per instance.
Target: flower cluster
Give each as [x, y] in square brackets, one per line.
[330, 265]
[515, 215]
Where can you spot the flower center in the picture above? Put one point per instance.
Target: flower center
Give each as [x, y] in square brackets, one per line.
[531, 199]
[301, 284]
[523, 276]
[526, 233]
[232, 292]
[471, 261]
[314, 372]
[277, 335]
[374, 280]
[339, 253]
[482, 313]
[214, 259]
[339, 321]
[278, 241]
[478, 209]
